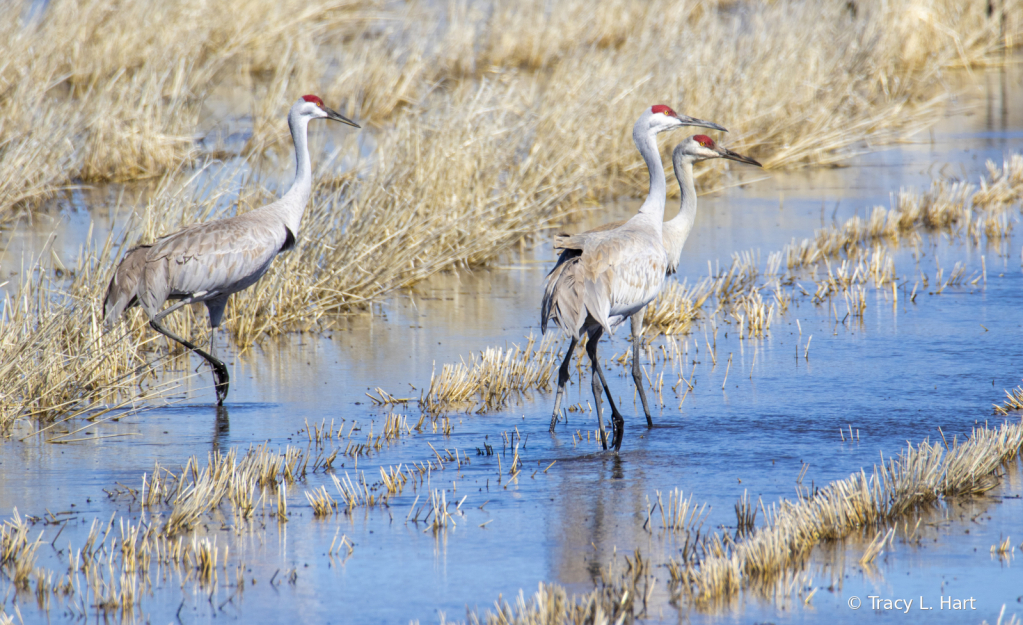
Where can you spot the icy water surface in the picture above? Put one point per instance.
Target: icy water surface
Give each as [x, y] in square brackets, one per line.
[897, 375]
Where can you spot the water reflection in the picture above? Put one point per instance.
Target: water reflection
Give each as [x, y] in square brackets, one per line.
[221, 427]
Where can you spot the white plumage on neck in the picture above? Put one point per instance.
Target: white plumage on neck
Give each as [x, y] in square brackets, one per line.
[676, 230]
[292, 204]
[645, 138]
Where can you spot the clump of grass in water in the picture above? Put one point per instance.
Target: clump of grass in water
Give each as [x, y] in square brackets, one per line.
[677, 307]
[193, 494]
[622, 594]
[1014, 401]
[487, 382]
[18, 551]
[919, 475]
[116, 573]
[197, 491]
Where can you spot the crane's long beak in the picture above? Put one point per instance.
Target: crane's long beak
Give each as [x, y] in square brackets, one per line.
[338, 117]
[692, 121]
[726, 153]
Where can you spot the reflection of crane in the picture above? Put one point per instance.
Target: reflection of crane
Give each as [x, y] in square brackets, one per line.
[605, 276]
[208, 262]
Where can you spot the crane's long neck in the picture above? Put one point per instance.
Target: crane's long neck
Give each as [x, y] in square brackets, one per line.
[676, 230]
[293, 202]
[646, 142]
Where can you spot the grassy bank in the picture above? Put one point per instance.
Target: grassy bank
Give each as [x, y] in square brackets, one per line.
[114, 90]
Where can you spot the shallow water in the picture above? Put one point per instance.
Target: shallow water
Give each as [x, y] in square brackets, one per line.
[896, 376]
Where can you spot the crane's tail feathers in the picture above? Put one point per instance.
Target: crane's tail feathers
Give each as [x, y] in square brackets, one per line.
[122, 293]
[563, 297]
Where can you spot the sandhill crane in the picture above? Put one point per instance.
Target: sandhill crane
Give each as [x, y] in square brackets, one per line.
[207, 262]
[674, 232]
[606, 276]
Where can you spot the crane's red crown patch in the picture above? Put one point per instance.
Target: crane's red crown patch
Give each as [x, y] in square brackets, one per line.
[314, 99]
[704, 140]
[662, 108]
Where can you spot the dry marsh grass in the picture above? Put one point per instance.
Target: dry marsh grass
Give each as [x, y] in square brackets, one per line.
[57, 363]
[93, 92]
[112, 89]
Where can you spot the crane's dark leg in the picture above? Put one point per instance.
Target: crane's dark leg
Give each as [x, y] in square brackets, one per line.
[617, 422]
[597, 391]
[220, 377]
[216, 308]
[637, 371]
[563, 376]
[221, 380]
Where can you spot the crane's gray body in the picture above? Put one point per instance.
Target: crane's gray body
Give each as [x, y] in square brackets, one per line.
[205, 262]
[609, 274]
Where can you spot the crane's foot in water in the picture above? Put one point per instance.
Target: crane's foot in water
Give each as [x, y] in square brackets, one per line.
[618, 424]
[221, 381]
